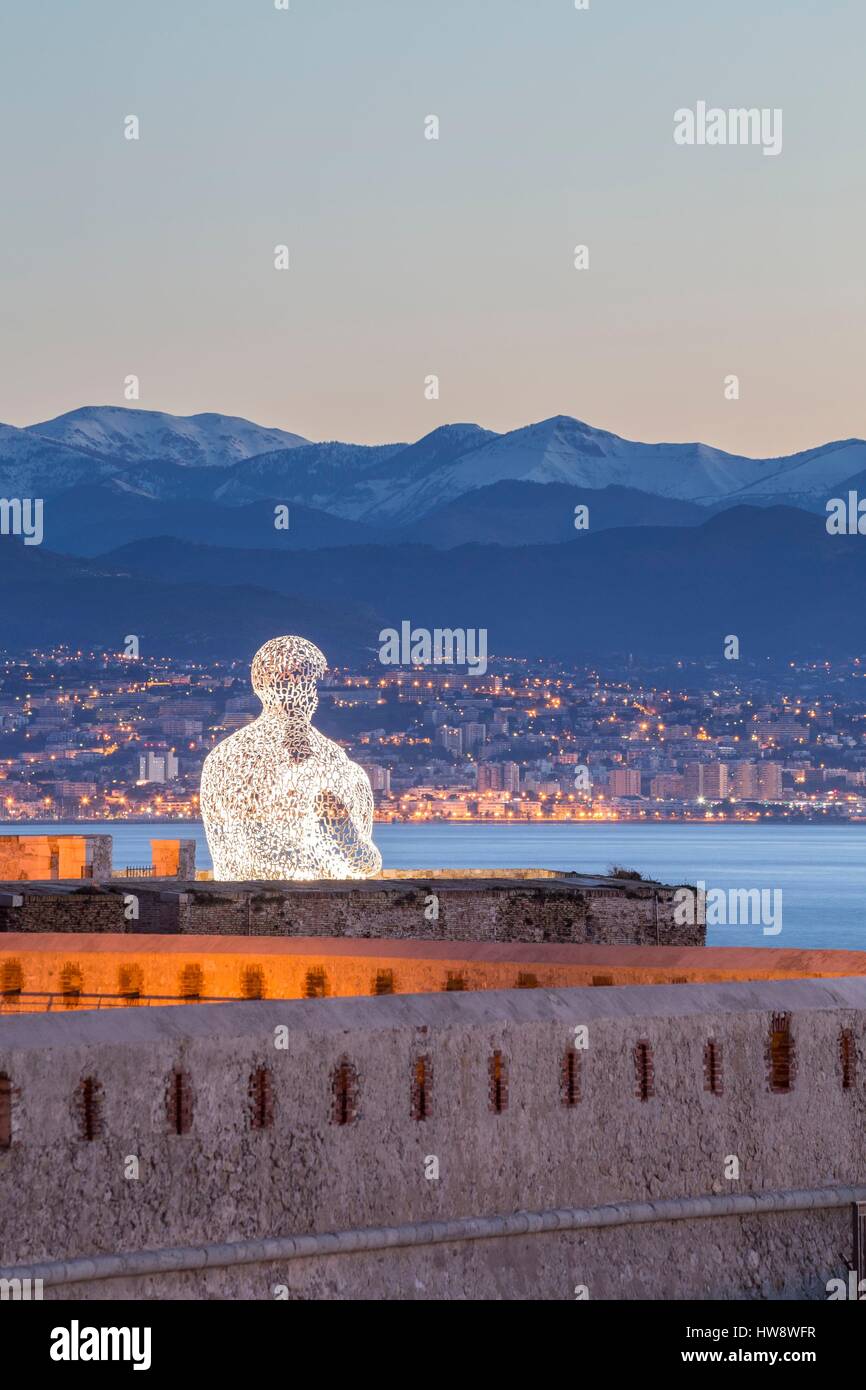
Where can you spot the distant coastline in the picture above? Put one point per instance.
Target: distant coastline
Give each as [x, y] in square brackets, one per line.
[546, 821]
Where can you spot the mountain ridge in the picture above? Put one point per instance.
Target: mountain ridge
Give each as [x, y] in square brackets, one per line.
[218, 460]
[772, 576]
[150, 435]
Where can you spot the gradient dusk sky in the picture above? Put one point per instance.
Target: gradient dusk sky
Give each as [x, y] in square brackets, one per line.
[411, 256]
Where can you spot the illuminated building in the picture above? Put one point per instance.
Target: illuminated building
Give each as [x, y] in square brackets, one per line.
[769, 781]
[624, 781]
[715, 781]
[157, 767]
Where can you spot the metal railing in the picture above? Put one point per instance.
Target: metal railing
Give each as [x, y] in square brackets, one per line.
[44, 1001]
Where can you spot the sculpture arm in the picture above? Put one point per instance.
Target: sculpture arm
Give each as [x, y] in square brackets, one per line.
[344, 810]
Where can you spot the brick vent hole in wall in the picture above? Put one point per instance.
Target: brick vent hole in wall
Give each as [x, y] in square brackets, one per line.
[498, 1083]
[644, 1070]
[422, 1087]
[344, 1093]
[384, 982]
[848, 1058]
[526, 980]
[191, 982]
[5, 1111]
[713, 1067]
[179, 1103]
[571, 1077]
[11, 980]
[316, 983]
[90, 1108]
[261, 1094]
[253, 982]
[602, 980]
[454, 980]
[71, 985]
[781, 1059]
[131, 983]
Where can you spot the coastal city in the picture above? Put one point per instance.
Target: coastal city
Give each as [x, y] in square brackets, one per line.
[104, 736]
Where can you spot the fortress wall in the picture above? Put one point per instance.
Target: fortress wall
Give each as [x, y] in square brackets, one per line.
[465, 910]
[71, 910]
[644, 1127]
[558, 910]
[44, 857]
[562, 908]
[173, 858]
[174, 968]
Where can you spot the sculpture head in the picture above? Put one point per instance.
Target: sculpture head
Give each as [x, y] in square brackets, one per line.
[284, 675]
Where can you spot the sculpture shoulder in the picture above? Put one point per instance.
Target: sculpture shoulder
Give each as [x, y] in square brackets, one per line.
[326, 749]
[237, 745]
[332, 755]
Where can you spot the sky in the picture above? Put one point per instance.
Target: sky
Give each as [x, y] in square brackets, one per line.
[411, 257]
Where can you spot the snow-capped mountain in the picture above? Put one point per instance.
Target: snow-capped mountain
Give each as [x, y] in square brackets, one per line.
[232, 462]
[191, 441]
[398, 484]
[35, 467]
[353, 480]
[332, 475]
[563, 450]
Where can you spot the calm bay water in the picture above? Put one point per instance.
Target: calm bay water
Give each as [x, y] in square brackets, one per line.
[820, 870]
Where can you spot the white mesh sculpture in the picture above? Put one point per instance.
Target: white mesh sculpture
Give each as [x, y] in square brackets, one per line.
[280, 800]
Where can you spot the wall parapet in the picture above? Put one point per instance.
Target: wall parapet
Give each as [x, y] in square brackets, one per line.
[122, 969]
[564, 908]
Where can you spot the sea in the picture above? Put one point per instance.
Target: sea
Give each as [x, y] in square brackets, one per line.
[813, 875]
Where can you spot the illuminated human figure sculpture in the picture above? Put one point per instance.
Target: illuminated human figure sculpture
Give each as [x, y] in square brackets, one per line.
[280, 800]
